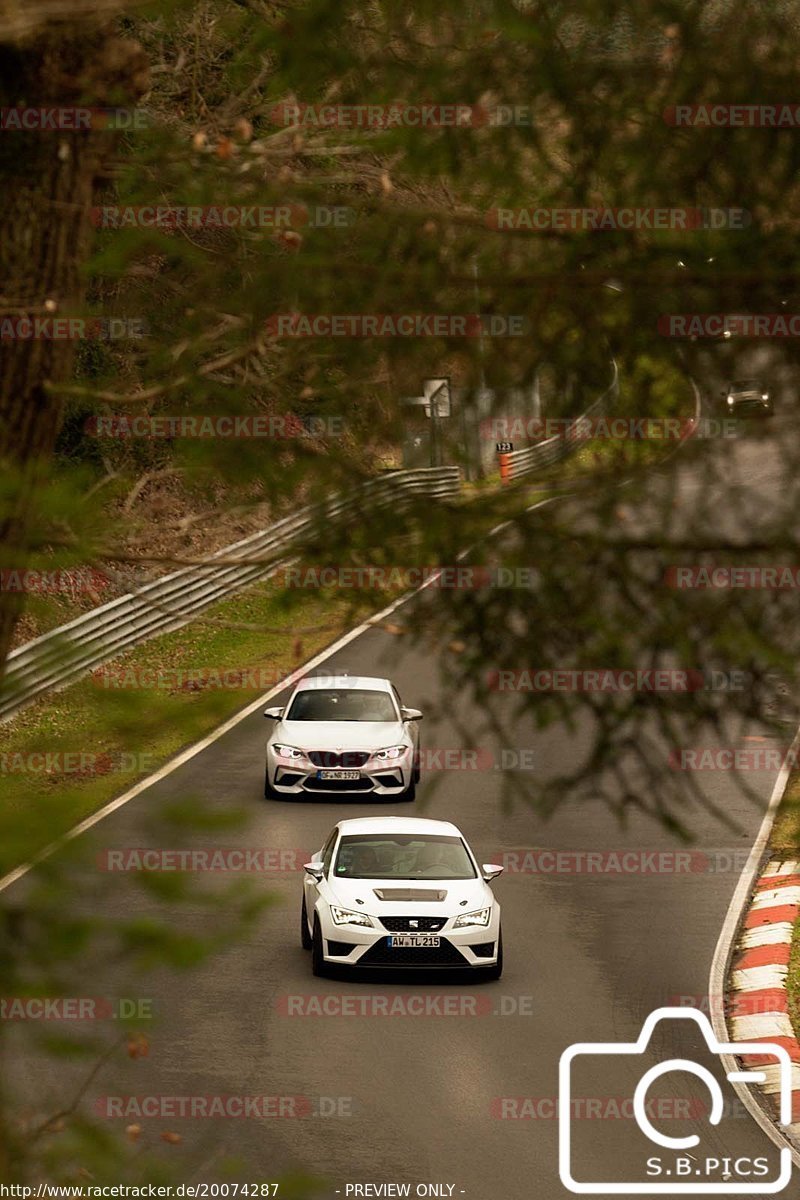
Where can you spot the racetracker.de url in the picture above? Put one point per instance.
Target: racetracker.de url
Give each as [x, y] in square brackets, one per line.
[88, 1191]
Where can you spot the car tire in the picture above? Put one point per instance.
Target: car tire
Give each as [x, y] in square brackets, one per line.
[417, 769]
[305, 936]
[318, 964]
[496, 970]
[269, 790]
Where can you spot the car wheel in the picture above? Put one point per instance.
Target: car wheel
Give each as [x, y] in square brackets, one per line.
[269, 790]
[417, 769]
[318, 964]
[496, 970]
[305, 936]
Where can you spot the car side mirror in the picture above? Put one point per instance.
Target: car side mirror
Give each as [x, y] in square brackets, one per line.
[410, 714]
[491, 871]
[274, 714]
[315, 869]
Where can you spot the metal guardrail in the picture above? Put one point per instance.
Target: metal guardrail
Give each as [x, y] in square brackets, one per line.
[514, 463]
[64, 654]
[58, 657]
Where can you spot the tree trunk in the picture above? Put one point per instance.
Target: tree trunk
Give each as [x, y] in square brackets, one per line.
[50, 180]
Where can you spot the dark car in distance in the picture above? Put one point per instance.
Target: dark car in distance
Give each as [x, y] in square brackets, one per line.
[747, 398]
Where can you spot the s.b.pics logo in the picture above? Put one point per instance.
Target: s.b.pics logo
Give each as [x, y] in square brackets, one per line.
[693, 1155]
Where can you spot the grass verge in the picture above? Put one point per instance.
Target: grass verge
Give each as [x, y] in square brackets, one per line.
[71, 751]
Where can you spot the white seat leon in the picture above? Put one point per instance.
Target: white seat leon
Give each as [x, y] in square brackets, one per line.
[400, 892]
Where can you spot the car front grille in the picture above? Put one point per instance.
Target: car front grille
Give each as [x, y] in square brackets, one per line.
[749, 404]
[381, 955]
[329, 758]
[420, 924]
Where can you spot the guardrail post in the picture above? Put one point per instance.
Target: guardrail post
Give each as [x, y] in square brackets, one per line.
[505, 467]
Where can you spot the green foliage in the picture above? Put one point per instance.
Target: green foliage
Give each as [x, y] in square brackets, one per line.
[593, 80]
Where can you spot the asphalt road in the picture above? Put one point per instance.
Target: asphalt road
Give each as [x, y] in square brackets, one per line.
[431, 1098]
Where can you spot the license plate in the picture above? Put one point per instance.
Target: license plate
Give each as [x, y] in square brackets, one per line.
[422, 941]
[350, 775]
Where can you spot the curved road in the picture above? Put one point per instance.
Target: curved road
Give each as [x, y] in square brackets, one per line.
[437, 1098]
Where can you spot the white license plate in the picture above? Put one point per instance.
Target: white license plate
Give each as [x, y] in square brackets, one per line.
[350, 775]
[421, 941]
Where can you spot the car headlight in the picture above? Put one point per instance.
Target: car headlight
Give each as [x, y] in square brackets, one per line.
[288, 751]
[343, 916]
[389, 752]
[765, 395]
[481, 917]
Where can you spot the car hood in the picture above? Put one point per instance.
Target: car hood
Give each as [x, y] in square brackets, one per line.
[399, 897]
[339, 735]
[748, 394]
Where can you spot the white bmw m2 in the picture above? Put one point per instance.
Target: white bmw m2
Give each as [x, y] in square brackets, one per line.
[346, 734]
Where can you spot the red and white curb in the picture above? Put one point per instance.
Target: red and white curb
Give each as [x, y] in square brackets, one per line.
[756, 999]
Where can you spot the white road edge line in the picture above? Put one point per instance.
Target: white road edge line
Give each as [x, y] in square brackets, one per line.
[725, 947]
[231, 723]
[191, 751]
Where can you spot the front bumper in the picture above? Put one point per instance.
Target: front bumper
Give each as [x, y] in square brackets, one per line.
[295, 778]
[460, 949]
[750, 408]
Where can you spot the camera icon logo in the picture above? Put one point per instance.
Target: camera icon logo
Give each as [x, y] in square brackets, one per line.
[678, 1171]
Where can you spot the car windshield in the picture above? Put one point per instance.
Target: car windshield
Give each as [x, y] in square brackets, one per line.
[403, 856]
[745, 385]
[342, 704]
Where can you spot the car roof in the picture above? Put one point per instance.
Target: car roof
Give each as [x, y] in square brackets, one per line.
[367, 683]
[397, 825]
